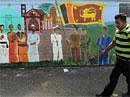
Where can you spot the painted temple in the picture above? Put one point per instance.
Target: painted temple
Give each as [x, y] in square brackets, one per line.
[40, 19]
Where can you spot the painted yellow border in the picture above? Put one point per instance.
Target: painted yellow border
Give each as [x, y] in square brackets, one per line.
[79, 4]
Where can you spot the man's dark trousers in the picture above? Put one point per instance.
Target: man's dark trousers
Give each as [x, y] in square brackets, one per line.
[122, 66]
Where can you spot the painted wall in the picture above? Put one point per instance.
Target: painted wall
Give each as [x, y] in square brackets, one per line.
[10, 13]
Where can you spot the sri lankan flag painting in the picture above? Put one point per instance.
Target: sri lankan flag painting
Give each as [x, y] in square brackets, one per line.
[90, 13]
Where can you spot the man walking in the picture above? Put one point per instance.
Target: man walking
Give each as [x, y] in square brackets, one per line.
[121, 42]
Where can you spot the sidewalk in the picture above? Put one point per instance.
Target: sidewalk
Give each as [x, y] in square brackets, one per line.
[54, 82]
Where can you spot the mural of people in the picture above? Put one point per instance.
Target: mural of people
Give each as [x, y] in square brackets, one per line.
[13, 45]
[22, 45]
[102, 43]
[33, 41]
[56, 40]
[85, 42]
[46, 15]
[74, 43]
[4, 51]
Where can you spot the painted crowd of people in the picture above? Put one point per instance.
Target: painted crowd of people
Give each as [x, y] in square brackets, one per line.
[23, 47]
[18, 47]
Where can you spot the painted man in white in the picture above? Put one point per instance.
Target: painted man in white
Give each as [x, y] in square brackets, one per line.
[33, 41]
[4, 50]
[56, 40]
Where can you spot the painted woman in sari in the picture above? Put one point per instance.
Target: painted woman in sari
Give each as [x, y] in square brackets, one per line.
[22, 45]
[13, 45]
[4, 51]
[33, 41]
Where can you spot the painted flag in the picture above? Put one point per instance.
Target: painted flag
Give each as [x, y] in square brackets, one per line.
[90, 13]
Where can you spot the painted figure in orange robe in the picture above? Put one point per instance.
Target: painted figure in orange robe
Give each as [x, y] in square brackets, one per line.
[13, 45]
[22, 45]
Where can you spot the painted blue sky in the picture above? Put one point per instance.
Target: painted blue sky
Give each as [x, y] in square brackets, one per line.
[111, 9]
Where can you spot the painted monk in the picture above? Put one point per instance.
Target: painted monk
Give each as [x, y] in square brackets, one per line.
[22, 45]
[13, 45]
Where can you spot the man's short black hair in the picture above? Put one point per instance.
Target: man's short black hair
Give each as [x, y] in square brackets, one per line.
[18, 25]
[1, 25]
[122, 16]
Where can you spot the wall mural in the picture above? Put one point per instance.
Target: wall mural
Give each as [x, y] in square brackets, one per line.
[71, 32]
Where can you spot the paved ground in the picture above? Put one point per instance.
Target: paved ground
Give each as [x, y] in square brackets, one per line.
[54, 82]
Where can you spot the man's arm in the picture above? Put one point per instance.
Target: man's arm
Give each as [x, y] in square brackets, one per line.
[110, 46]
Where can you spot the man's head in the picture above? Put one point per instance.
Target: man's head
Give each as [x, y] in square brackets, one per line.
[104, 30]
[11, 27]
[120, 21]
[1, 28]
[19, 27]
[33, 28]
[57, 30]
